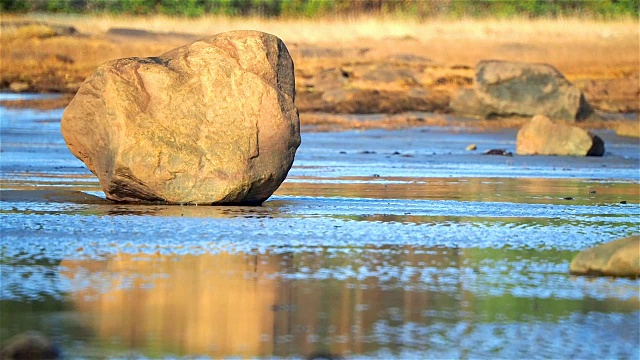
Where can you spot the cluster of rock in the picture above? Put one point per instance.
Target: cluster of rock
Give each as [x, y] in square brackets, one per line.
[537, 91]
[210, 122]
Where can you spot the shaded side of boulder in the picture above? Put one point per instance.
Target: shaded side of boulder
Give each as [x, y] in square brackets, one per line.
[210, 122]
[616, 258]
[503, 88]
[542, 136]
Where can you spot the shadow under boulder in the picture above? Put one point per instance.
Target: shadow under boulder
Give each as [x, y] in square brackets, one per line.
[504, 88]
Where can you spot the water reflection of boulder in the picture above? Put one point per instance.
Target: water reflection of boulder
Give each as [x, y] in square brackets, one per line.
[249, 305]
[324, 300]
[211, 304]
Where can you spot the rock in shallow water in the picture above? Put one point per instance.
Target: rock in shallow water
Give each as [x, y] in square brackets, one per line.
[541, 136]
[616, 258]
[210, 122]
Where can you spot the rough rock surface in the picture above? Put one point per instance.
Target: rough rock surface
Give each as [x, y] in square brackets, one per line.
[541, 136]
[210, 122]
[504, 88]
[616, 258]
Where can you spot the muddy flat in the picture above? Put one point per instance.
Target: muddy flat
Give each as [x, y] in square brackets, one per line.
[380, 244]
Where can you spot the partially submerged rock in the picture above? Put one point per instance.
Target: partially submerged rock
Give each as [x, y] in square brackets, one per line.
[541, 136]
[616, 258]
[505, 88]
[210, 122]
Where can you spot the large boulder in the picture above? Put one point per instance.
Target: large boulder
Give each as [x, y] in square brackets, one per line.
[541, 136]
[616, 258]
[210, 122]
[503, 88]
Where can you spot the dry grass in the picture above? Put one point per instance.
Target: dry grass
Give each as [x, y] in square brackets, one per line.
[579, 48]
[27, 32]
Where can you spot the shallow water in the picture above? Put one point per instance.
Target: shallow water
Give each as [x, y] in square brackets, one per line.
[380, 244]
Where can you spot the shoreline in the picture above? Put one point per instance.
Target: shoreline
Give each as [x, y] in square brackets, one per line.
[332, 122]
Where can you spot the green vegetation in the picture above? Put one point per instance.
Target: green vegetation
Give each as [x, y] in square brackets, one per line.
[597, 9]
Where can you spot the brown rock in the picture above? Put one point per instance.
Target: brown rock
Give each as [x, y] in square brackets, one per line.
[616, 258]
[334, 78]
[389, 78]
[541, 136]
[505, 88]
[19, 86]
[210, 122]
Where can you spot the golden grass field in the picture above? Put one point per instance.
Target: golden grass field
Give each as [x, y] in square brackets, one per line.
[576, 47]
[602, 57]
